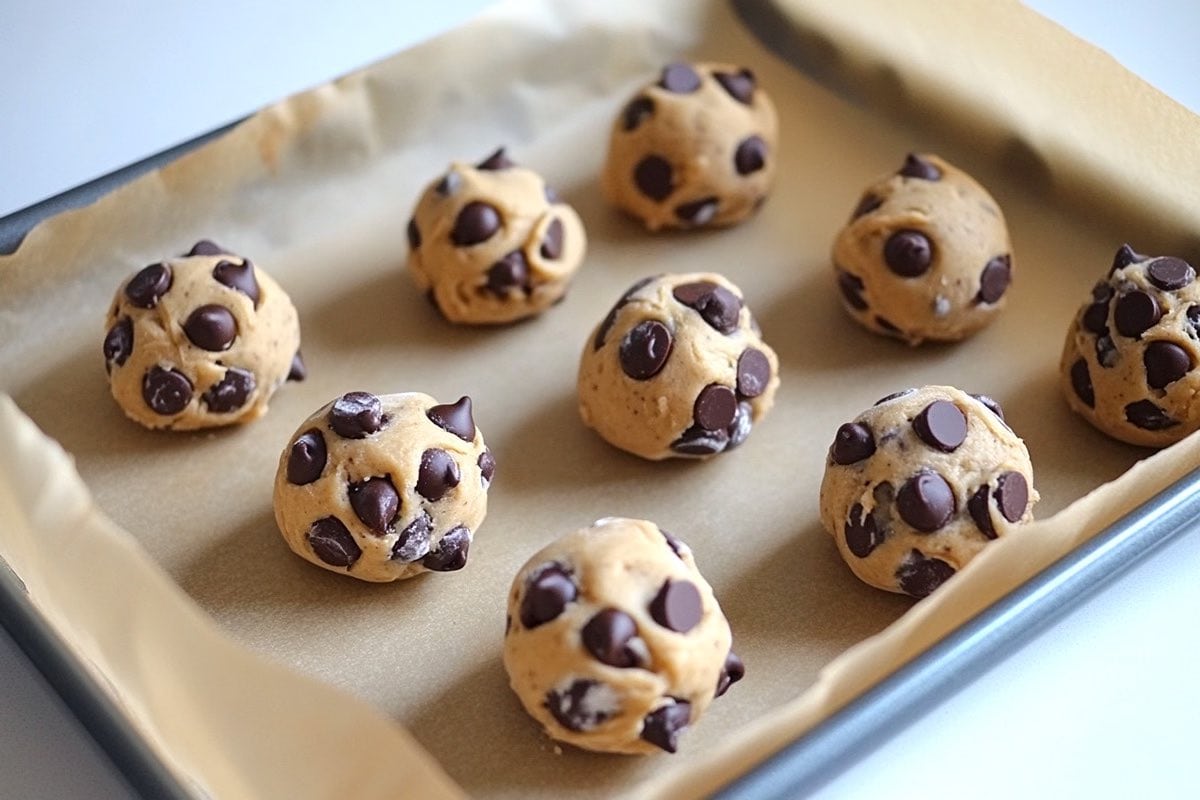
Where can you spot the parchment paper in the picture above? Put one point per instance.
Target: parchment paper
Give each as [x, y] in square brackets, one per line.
[316, 190]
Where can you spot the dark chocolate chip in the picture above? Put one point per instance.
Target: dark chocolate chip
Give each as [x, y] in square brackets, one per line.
[211, 328]
[1166, 362]
[662, 726]
[698, 212]
[654, 177]
[413, 542]
[978, 506]
[611, 317]
[1170, 273]
[851, 287]
[887, 326]
[476, 222]
[1095, 318]
[1136, 313]
[674, 542]
[582, 706]
[414, 234]
[546, 596]
[607, 636]
[679, 78]
[719, 307]
[732, 672]
[333, 543]
[991, 405]
[551, 195]
[1102, 292]
[753, 373]
[861, 532]
[740, 84]
[994, 279]
[376, 502]
[298, 370]
[866, 205]
[894, 396]
[908, 253]
[239, 277]
[637, 111]
[1193, 321]
[677, 606]
[696, 441]
[715, 407]
[356, 415]
[919, 575]
[166, 391]
[917, 167]
[1106, 352]
[941, 425]
[739, 429]
[1081, 382]
[1124, 257]
[853, 442]
[231, 392]
[451, 552]
[437, 475]
[510, 272]
[306, 458]
[552, 244]
[118, 343]
[750, 156]
[1012, 495]
[206, 247]
[448, 185]
[645, 349]
[496, 161]
[455, 418]
[148, 285]
[1147, 416]
[487, 467]
[926, 501]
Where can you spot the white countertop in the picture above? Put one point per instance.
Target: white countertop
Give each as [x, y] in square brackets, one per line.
[1100, 705]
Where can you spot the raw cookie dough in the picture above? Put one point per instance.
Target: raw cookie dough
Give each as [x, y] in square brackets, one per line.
[925, 255]
[917, 485]
[1128, 366]
[695, 149]
[614, 641]
[200, 341]
[677, 368]
[384, 487]
[492, 243]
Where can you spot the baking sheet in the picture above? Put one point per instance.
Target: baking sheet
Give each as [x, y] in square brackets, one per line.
[316, 191]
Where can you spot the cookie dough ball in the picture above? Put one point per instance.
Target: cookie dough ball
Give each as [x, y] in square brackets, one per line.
[1128, 366]
[677, 368]
[385, 487]
[614, 641]
[925, 255]
[917, 485]
[492, 243]
[695, 149]
[200, 341]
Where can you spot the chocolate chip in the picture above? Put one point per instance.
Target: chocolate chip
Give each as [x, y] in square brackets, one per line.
[231, 392]
[1166, 362]
[546, 596]
[1170, 273]
[991, 405]
[750, 156]
[719, 307]
[584, 705]
[206, 247]
[306, 458]
[941, 425]
[118, 343]
[552, 244]
[696, 441]
[376, 502]
[448, 185]
[853, 442]
[894, 396]
[1147, 416]
[674, 542]
[166, 391]
[413, 542]
[887, 326]
[978, 508]
[239, 277]
[698, 212]
[1095, 318]
[298, 371]
[645, 349]
[497, 160]
[333, 543]
[607, 636]
[551, 195]
[908, 253]
[637, 111]
[356, 415]
[994, 279]
[437, 475]
[715, 407]
[611, 317]
[148, 285]
[510, 272]
[1124, 257]
[679, 78]
[1102, 292]
[926, 501]
[662, 726]
[677, 606]
[740, 84]
[919, 575]
[455, 418]
[487, 467]
[1012, 495]
[1136, 313]
[1081, 382]
[211, 327]
[851, 287]
[753, 373]
[1106, 352]
[414, 234]
[866, 205]
[451, 553]
[654, 177]
[1193, 321]
[861, 532]
[917, 167]
[476, 222]
[732, 672]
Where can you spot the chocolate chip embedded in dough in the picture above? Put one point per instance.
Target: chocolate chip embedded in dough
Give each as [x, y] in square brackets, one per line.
[696, 441]
[611, 316]
[1148, 416]
[1193, 321]
[413, 233]
[919, 575]
[1095, 318]
[437, 475]
[1166, 362]
[978, 506]
[1106, 352]
[118, 343]
[298, 370]
[231, 392]
[547, 594]
[853, 442]
[740, 85]
[942, 425]
[674, 542]
[654, 177]
[753, 373]
[206, 247]
[166, 391]
[917, 167]
[1081, 382]
[148, 285]
[476, 222]
[552, 244]
[926, 501]
[356, 415]
[866, 204]
[584, 705]
[894, 396]
[1124, 257]
[662, 726]
[306, 458]
[715, 407]
[718, 306]
[607, 636]
[851, 287]
[413, 542]
[637, 111]
[679, 78]
[698, 212]
[454, 417]
[211, 327]
[496, 161]
[908, 253]
[487, 467]
[1135, 313]
[994, 280]
[1012, 495]
[888, 326]
[732, 672]
[448, 185]
[1169, 273]
[333, 543]
[677, 606]
[861, 532]
[510, 272]
[451, 552]
[750, 155]
[239, 277]
[376, 503]
[991, 405]
[645, 349]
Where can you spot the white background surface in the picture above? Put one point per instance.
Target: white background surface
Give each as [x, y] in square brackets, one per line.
[1104, 704]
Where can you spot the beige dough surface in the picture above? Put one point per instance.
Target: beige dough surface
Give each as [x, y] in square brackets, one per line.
[702, 387]
[872, 493]
[491, 243]
[695, 154]
[150, 356]
[967, 264]
[1128, 364]
[578, 582]
[436, 479]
